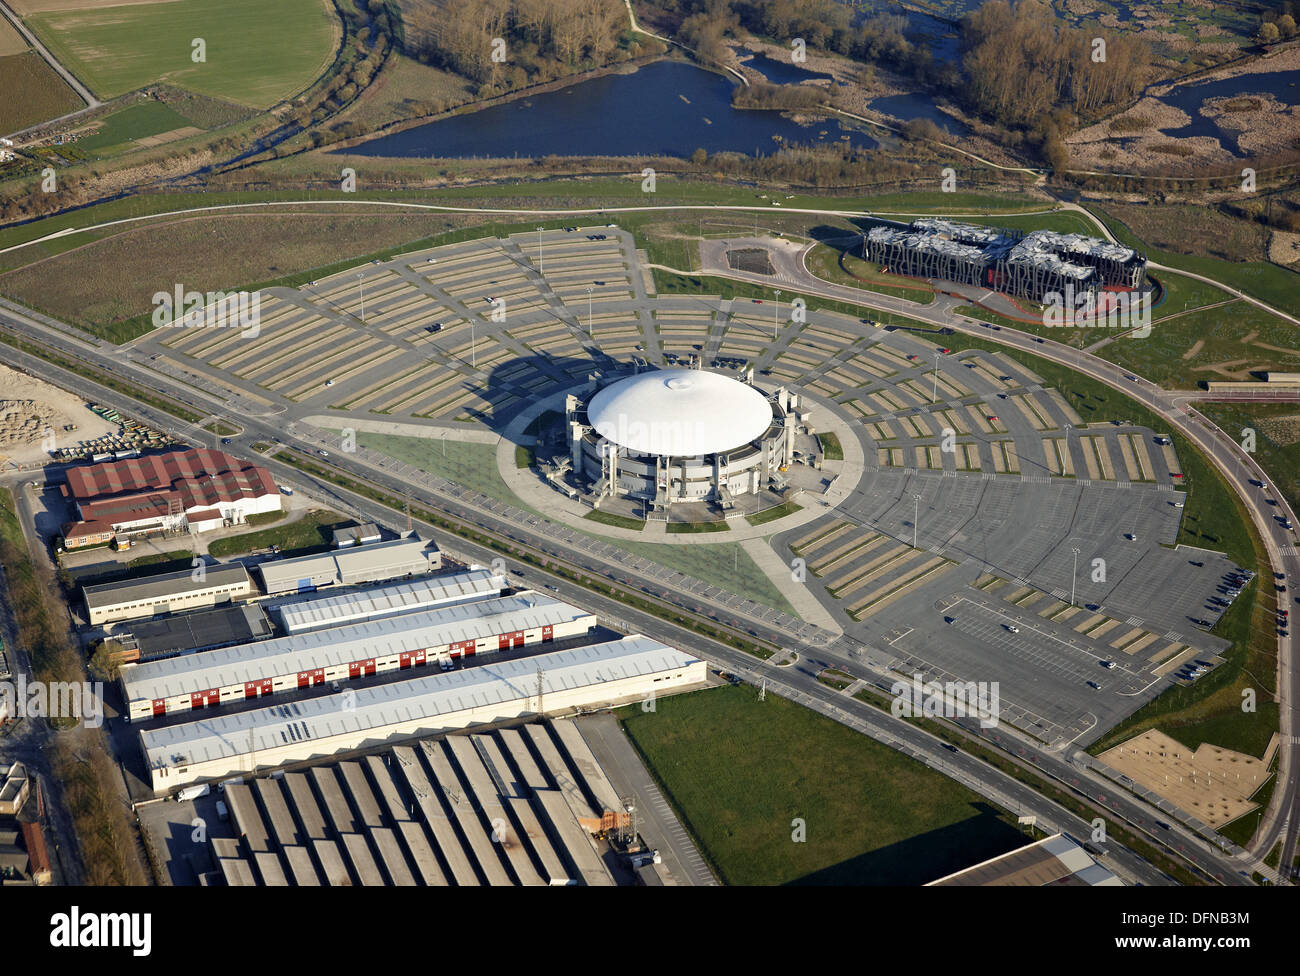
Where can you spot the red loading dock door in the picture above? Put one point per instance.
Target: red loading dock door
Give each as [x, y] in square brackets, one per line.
[519, 638]
[159, 706]
[252, 689]
[404, 660]
[369, 665]
[354, 669]
[503, 642]
[308, 678]
[548, 632]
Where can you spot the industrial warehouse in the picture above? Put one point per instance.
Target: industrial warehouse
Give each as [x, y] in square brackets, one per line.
[385, 601]
[680, 435]
[207, 678]
[1032, 266]
[408, 556]
[179, 491]
[590, 676]
[166, 593]
[518, 806]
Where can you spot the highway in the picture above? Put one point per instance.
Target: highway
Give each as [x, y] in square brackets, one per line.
[1200, 851]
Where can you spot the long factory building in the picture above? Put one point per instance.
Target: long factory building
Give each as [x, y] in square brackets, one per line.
[581, 677]
[377, 602]
[246, 671]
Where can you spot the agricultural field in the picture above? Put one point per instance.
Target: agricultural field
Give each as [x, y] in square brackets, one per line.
[33, 92]
[118, 49]
[142, 121]
[872, 816]
[11, 42]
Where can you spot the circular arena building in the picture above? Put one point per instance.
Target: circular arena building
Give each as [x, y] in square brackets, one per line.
[680, 435]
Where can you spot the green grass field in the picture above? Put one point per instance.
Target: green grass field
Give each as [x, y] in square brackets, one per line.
[249, 57]
[306, 535]
[871, 815]
[135, 122]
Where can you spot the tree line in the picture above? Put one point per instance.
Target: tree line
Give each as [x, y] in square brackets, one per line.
[532, 40]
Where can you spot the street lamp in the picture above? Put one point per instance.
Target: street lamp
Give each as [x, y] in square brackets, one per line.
[776, 312]
[934, 395]
[1074, 575]
[916, 515]
[541, 264]
[589, 313]
[361, 284]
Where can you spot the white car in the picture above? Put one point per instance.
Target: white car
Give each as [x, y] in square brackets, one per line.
[1013, 628]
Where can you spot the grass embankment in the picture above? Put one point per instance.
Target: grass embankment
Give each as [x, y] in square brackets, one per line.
[76, 754]
[773, 513]
[677, 528]
[831, 447]
[1209, 709]
[619, 521]
[871, 815]
[840, 267]
[302, 537]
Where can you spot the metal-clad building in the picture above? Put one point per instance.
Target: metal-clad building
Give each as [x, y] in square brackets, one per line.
[1033, 265]
[386, 601]
[393, 559]
[191, 681]
[166, 593]
[593, 675]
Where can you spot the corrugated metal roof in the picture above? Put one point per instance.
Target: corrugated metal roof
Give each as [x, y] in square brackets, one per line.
[395, 554]
[164, 584]
[342, 645]
[377, 601]
[378, 706]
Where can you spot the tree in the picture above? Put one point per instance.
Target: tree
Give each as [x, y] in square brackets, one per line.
[1269, 33]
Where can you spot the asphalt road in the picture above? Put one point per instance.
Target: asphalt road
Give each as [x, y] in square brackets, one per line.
[794, 684]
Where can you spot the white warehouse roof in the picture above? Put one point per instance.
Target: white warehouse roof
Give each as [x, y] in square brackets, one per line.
[389, 600]
[342, 645]
[679, 413]
[374, 708]
[378, 560]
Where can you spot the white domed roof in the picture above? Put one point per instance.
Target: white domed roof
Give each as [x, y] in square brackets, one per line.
[679, 412]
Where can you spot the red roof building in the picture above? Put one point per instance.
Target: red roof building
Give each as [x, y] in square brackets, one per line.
[172, 490]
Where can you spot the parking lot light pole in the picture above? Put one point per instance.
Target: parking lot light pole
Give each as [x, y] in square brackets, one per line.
[934, 396]
[916, 515]
[1074, 576]
[361, 284]
[541, 264]
[776, 312]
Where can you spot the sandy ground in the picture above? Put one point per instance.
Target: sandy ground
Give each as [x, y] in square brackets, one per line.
[1284, 247]
[31, 407]
[1196, 347]
[1213, 783]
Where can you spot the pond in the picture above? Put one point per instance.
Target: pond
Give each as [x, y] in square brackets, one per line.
[1280, 84]
[913, 105]
[667, 108]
